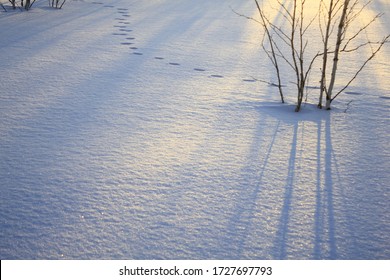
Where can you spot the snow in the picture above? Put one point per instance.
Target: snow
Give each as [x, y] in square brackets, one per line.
[137, 130]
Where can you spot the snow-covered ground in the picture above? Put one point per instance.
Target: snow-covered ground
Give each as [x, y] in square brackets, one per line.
[135, 130]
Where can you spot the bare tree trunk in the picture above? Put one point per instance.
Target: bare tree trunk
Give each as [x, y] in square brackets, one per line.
[272, 55]
[13, 3]
[57, 3]
[325, 55]
[62, 4]
[298, 48]
[294, 38]
[341, 29]
[294, 55]
[301, 80]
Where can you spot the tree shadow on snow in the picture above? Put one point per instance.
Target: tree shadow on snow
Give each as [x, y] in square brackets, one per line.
[239, 228]
[325, 243]
[324, 224]
[246, 211]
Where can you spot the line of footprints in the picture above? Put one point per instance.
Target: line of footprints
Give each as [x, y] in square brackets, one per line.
[123, 29]
[122, 26]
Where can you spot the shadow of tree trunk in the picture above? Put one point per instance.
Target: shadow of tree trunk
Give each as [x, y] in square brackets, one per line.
[324, 225]
[280, 250]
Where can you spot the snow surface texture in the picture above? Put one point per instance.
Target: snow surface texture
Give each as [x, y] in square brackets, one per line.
[137, 130]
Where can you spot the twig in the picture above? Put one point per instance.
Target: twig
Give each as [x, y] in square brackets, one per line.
[268, 83]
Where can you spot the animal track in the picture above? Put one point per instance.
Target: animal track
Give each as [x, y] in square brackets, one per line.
[122, 25]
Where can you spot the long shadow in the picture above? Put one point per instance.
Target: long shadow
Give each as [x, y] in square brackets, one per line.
[281, 235]
[318, 224]
[329, 190]
[240, 222]
[324, 226]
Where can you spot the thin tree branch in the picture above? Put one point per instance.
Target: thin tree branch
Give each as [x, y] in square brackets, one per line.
[384, 41]
[361, 30]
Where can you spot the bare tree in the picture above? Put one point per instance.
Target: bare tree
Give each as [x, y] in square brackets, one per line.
[289, 42]
[340, 33]
[350, 12]
[270, 53]
[57, 3]
[298, 49]
[13, 3]
[294, 37]
[330, 13]
[28, 4]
